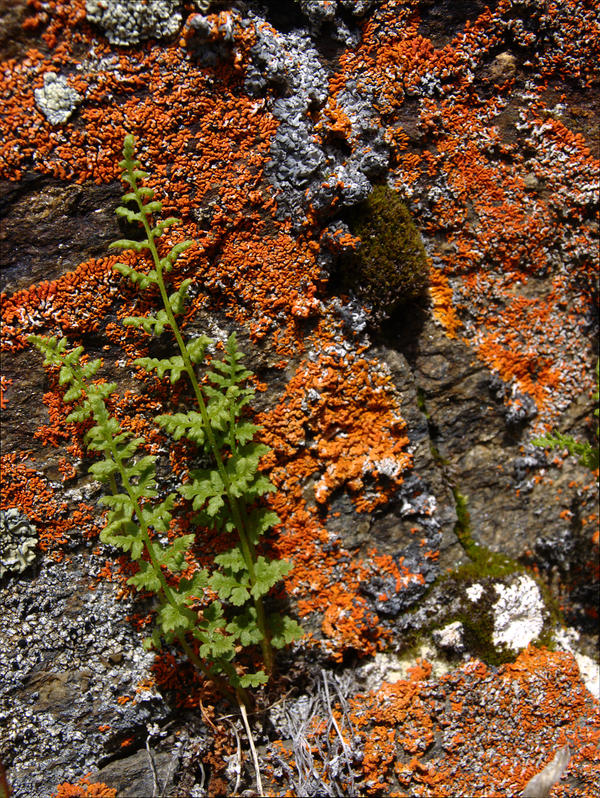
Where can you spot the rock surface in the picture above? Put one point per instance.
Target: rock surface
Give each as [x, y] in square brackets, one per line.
[439, 556]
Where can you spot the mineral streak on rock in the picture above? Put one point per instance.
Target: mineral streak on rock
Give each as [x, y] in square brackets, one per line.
[540, 785]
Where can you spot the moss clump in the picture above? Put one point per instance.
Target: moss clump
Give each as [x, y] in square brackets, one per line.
[482, 561]
[390, 267]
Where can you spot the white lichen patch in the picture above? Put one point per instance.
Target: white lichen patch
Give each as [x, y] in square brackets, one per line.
[475, 592]
[392, 668]
[131, 21]
[450, 637]
[56, 99]
[518, 614]
[18, 542]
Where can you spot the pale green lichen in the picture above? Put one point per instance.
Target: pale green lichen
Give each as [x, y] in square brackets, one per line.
[18, 542]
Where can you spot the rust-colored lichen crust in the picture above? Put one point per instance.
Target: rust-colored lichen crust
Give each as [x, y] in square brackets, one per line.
[503, 202]
[501, 181]
[84, 788]
[476, 731]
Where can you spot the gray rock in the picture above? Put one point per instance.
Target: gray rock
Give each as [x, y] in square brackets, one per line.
[50, 226]
[54, 694]
[142, 774]
[358, 8]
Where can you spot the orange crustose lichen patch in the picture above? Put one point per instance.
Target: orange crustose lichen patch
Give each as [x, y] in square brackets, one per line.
[500, 206]
[5, 384]
[84, 789]
[339, 419]
[457, 736]
[31, 494]
[337, 427]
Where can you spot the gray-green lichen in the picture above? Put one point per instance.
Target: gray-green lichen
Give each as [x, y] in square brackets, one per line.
[56, 99]
[131, 21]
[18, 541]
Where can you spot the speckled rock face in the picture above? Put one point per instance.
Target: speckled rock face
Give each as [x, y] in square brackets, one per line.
[68, 655]
[434, 547]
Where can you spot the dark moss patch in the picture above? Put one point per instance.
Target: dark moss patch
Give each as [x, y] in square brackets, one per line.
[390, 268]
[482, 561]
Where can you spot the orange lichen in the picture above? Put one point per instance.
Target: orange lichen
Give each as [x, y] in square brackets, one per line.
[489, 232]
[5, 384]
[336, 427]
[26, 490]
[456, 736]
[75, 304]
[84, 789]
[339, 417]
[440, 292]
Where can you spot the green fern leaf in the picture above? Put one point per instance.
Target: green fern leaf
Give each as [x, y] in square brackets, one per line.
[103, 470]
[231, 561]
[284, 630]
[131, 216]
[268, 573]
[159, 516]
[230, 588]
[173, 556]
[145, 579]
[189, 425]
[127, 243]
[253, 679]
[173, 364]
[196, 348]
[245, 628]
[72, 394]
[175, 619]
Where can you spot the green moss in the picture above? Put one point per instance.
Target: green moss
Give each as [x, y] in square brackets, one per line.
[485, 567]
[482, 561]
[390, 268]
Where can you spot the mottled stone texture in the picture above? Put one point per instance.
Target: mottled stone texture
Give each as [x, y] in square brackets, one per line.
[422, 522]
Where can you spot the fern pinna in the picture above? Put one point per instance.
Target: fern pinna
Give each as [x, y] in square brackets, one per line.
[224, 496]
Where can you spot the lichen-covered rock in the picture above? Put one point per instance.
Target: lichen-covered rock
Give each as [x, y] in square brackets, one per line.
[491, 617]
[18, 542]
[127, 22]
[518, 613]
[76, 683]
[472, 731]
[263, 134]
[56, 99]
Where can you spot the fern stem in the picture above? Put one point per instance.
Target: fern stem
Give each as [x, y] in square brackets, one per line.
[247, 547]
[237, 698]
[166, 591]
